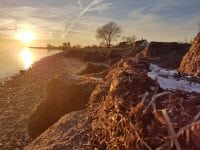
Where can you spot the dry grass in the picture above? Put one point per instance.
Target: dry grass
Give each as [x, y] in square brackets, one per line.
[128, 111]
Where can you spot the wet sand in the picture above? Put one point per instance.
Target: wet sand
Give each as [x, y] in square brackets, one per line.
[23, 92]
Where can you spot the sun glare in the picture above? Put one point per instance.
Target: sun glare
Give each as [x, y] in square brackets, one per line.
[26, 36]
[27, 58]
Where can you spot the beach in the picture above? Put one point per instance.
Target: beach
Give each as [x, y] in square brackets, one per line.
[23, 92]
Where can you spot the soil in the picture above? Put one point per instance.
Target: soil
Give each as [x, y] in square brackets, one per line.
[130, 111]
[166, 54]
[23, 92]
[65, 93]
[190, 63]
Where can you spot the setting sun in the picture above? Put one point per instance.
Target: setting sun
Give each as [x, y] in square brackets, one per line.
[26, 36]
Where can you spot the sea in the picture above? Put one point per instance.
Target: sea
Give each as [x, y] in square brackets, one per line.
[15, 58]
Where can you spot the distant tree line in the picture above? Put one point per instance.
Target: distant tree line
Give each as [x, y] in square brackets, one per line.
[107, 34]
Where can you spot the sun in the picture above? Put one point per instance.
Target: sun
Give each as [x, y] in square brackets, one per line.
[26, 36]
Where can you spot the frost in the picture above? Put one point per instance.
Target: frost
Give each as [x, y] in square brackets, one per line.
[172, 80]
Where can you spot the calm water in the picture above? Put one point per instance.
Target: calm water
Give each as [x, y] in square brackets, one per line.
[13, 60]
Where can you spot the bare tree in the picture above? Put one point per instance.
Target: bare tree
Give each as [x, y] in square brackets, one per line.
[109, 32]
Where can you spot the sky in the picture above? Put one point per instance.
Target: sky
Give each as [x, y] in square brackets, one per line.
[55, 21]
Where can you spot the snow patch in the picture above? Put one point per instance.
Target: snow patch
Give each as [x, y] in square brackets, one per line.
[172, 80]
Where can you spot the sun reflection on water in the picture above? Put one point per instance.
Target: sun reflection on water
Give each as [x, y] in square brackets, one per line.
[27, 58]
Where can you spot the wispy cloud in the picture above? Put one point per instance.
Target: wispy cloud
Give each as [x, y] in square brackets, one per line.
[89, 7]
[153, 19]
[79, 4]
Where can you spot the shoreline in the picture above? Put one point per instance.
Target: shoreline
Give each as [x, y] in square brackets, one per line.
[9, 76]
[23, 92]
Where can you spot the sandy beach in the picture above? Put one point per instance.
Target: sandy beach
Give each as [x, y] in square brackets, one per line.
[23, 92]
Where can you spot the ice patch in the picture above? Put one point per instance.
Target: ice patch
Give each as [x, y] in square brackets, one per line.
[171, 80]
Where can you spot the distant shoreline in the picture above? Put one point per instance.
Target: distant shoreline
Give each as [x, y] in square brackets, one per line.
[8, 76]
[38, 47]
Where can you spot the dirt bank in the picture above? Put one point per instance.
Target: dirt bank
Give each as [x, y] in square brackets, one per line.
[190, 63]
[65, 93]
[99, 55]
[166, 54]
[130, 111]
[23, 92]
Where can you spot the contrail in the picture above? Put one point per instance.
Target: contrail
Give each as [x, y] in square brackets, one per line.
[79, 16]
[79, 3]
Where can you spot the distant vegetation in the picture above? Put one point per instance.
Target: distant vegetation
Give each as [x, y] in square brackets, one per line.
[109, 32]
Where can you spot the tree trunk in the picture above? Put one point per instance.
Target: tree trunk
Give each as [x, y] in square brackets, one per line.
[109, 41]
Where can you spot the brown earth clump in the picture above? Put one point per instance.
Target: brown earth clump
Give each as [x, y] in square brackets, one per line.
[130, 111]
[65, 93]
[93, 68]
[115, 55]
[166, 54]
[190, 63]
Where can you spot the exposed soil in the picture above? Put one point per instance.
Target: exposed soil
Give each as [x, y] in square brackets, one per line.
[23, 92]
[190, 63]
[94, 68]
[130, 111]
[166, 54]
[65, 93]
[99, 55]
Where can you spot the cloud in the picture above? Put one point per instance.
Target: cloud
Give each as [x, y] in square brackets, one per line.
[90, 7]
[141, 16]
[153, 19]
[101, 8]
[79, 4]
[164, 21]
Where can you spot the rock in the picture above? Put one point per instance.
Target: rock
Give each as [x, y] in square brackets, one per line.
[70, 132]
[65, 93]
[93, 68]
[190, 63]
[166, 54]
